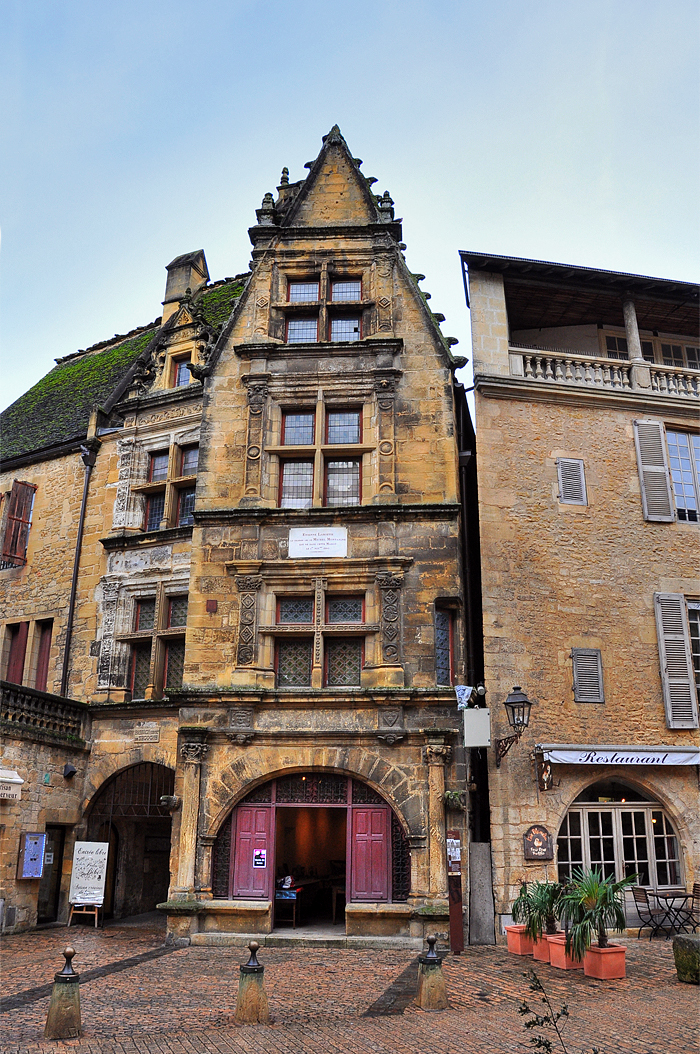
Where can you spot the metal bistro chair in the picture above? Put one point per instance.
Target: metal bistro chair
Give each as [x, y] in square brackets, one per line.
[689, 911]
[654, 917]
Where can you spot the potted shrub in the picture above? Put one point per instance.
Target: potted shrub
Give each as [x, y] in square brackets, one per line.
[536, 907]
[518, 941]
[591, 905]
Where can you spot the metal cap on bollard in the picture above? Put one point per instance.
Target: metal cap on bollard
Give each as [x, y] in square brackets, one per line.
[431, 957]
[67, 975]
[252, 966]
[432, 994]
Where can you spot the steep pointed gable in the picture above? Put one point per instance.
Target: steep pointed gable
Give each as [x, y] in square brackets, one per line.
[335, 192]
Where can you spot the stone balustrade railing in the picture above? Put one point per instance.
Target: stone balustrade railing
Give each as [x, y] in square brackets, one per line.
[28, 711]
[590, 371]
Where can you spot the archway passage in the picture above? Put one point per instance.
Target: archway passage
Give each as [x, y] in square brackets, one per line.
[311, 842]
[618, 829]
[126, 812]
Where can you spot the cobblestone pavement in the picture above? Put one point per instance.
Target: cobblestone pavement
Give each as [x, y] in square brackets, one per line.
[141, 998]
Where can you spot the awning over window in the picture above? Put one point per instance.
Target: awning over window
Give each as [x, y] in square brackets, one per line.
[590, 754]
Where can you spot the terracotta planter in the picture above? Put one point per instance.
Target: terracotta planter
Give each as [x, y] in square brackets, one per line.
[558, 956]
[518, 943]
[604, 963]
[540, 948]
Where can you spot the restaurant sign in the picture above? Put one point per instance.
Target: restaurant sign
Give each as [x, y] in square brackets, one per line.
[588, 755]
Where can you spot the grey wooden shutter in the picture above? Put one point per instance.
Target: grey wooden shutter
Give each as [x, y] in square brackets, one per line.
[652, 461]
[588, 675]
[572, 481]
[677, 674]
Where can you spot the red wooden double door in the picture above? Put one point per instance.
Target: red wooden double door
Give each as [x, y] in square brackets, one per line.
[368, 836]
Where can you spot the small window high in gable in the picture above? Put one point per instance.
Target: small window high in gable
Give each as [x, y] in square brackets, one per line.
[572, 481]
[588, 675]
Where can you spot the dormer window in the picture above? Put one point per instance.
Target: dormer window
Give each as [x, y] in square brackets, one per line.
[181, 375]
[303, 292]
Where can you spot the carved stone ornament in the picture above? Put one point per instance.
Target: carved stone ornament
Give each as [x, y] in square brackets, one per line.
[257, 394]
[240, 738]
[241, 718]
[389, 580]
[248, 583]
[437, 754]
[193, 751]
[390, 738]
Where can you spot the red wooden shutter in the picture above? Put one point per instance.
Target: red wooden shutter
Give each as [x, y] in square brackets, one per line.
[253, 845]
[370, 854]
[42, 662]
[19, 518]
[18, 648]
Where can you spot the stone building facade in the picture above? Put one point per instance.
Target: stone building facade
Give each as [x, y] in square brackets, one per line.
[587, 399]
[267, 490]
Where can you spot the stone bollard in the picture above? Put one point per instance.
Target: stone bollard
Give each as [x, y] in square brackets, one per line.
[432, 994]
[686, 955]
[251, 1006]
[63, 1018]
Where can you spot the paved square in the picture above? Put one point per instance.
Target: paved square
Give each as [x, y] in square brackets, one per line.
[138, 997]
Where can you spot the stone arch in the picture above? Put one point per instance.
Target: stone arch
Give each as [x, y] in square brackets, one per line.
[107, 767]
[250, 770]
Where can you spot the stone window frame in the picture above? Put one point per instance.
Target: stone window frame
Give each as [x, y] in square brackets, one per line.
[140, 487]
[160, 635]
[325, 309]
[320, 451]
[116, 641]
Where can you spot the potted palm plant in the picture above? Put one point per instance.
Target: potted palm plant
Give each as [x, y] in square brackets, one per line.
[536, 908]
[591, 905]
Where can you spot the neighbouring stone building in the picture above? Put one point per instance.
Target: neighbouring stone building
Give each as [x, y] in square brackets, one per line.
[234, 548]
[587, 389]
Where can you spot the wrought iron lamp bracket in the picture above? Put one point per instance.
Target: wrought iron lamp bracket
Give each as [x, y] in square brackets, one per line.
[504, 745]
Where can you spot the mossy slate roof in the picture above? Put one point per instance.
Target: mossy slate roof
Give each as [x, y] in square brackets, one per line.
[58, 408]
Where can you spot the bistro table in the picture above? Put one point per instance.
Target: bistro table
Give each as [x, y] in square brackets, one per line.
[676, 916]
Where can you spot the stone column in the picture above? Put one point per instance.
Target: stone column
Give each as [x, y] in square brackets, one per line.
[640, 374]
[203, 889]
[436, 756]
[192, 751]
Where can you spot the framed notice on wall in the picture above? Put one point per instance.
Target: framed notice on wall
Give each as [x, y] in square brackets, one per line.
[31, 854]
[87, 883]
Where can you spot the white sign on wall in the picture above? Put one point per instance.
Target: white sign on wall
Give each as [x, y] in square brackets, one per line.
[87, 883]
[10, 785]
[620, 756]
[317, 541]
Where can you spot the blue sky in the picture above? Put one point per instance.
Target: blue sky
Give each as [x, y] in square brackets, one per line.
[136, 130]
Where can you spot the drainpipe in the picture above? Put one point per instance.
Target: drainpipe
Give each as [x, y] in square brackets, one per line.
[89, 456]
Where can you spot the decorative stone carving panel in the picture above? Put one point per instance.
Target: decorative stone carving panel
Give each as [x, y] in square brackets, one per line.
[390, 588]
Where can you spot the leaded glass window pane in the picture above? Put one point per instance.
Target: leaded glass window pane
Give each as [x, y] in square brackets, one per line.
[443, 646]
[174, 663]
[351, 290]
[342, 483]
[684, 458]
[343, 426]
[182, 374]
[145, 614]
[302, 330]
[190, 461]
[155, 507]
[295, 610]
[343, 661]
[344, 609]
[299, 292]
[298, 429]
[294, 663]
[140, 669]
[296, 491]
[347, 329]
[158, 468]
[185, 507]
[177, 611]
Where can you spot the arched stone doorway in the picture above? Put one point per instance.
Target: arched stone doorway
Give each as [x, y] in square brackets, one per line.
[126, 812]
[310, 842]
[621, 830]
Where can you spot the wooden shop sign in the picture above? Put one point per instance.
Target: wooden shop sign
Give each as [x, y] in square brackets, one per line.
[537, 842]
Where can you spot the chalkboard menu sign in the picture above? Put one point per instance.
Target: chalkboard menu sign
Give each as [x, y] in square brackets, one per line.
[87, 883]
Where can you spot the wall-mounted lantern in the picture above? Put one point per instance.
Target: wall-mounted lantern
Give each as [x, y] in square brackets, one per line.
[518, 708]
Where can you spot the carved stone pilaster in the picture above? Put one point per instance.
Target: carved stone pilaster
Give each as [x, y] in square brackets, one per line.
[247, 586]
[390, 588]
[385, 388]
[110, 599]
[437, 754]
[257, 392]
[128, 507]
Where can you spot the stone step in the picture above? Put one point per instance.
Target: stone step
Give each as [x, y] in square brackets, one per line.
[304, 940]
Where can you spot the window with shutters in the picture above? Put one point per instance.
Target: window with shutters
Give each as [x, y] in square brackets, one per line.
[679, 646]
[572, 481]
[684, 465]
[588, 675]
[669, 472]
[16, 635]
[157, 643]
[18, 523]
